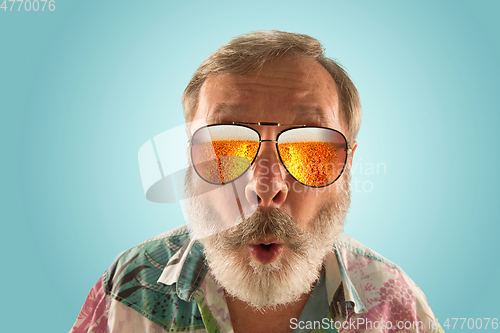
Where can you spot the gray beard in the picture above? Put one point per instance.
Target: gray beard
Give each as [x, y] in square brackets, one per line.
[298, 267]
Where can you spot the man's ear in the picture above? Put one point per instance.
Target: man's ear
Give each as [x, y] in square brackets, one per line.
[353, 148]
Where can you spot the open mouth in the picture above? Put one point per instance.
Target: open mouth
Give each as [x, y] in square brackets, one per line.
[266, 247]
[265, 252]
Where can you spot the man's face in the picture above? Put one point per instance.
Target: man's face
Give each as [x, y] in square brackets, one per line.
[282, 223]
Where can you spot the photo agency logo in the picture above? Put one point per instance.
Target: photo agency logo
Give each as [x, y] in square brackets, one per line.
[309, 161]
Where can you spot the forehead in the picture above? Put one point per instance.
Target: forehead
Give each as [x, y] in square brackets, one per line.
[286, 90]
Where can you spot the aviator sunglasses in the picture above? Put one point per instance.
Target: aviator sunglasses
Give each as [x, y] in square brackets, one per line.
[314, 156]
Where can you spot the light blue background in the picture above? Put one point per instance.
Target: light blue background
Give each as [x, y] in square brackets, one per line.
[83, 87]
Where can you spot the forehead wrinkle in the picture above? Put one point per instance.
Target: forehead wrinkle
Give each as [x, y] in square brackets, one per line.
[275, 79]
[287, 74]
[283, 84]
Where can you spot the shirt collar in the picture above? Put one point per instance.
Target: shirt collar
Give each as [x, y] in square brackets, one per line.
[338, 283]
[187, 269]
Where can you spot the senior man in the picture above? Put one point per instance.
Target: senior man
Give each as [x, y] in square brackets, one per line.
[272, 124]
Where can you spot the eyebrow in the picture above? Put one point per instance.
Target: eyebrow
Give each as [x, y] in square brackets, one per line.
[225, 110]
[307, 112]
[314, 115]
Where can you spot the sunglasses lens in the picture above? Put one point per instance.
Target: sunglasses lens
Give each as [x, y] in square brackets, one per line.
[222, 153]
[313, 156]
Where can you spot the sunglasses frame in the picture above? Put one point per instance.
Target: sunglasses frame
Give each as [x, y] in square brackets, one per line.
[292, 127]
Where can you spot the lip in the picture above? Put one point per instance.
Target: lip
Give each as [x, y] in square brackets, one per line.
[266, 250]
[266, 241]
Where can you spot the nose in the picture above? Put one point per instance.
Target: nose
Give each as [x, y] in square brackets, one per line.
[268, 185]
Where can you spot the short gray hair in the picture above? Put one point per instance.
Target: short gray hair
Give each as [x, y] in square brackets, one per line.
[249, 52]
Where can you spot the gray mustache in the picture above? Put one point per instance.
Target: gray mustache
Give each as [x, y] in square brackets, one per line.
[273, 222]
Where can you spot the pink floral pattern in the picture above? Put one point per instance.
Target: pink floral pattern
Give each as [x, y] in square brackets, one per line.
[388, 294]
[92, 317]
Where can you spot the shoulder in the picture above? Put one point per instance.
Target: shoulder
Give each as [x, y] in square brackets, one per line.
[352, 249]
[386, 291]
[151, 255]
[132, 280]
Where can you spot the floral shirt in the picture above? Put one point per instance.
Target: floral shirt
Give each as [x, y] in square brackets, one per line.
[164, 285]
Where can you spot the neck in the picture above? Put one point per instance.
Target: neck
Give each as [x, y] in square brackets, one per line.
[245, 318]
